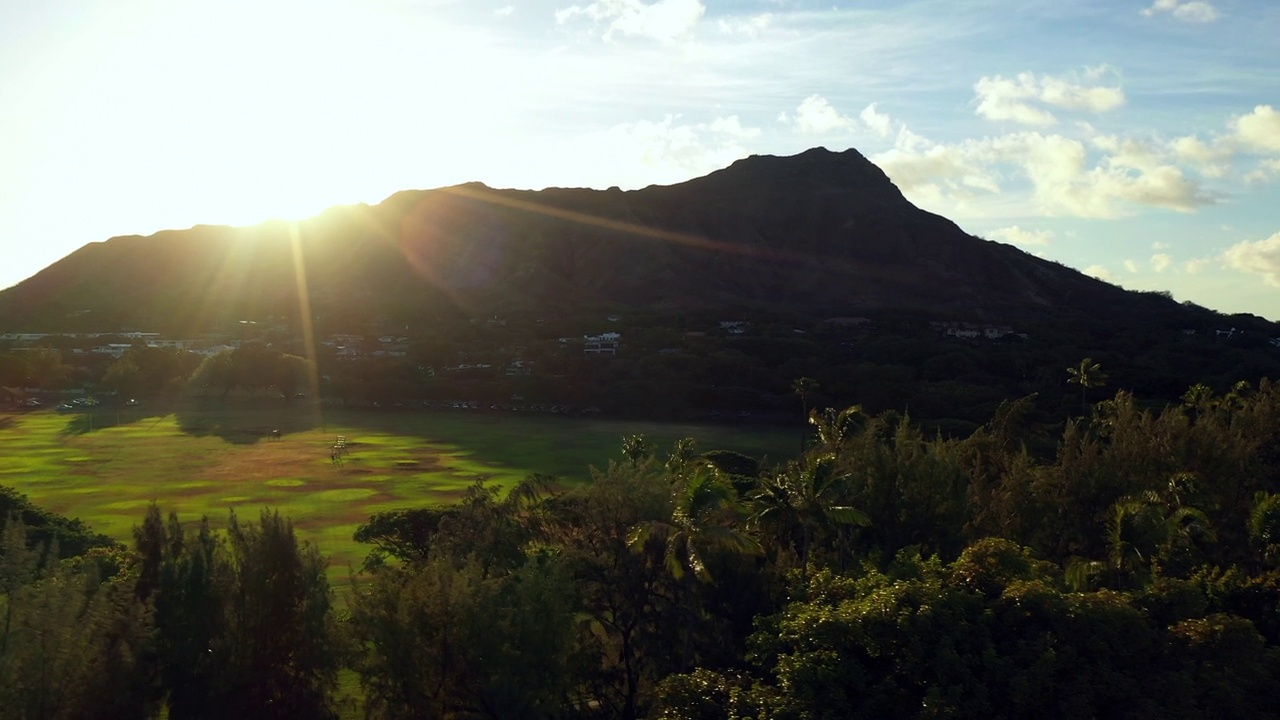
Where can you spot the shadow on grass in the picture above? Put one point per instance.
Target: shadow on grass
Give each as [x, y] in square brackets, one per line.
[245, 422]
[565, 447]
[83, 423]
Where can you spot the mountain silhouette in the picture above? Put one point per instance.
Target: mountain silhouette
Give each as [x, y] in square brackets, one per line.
[816, 234]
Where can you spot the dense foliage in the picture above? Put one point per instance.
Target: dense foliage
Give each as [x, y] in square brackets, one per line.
[1128, 566]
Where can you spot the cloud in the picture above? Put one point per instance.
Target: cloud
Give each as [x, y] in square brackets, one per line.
[1161, 262]
[1066, 176]
[732, 127]
[1212, 160]
[1261, 257]
[663, 20]
[937, 172]
[816, 116]
[877, 122]
[1016, 99]
[1259, 130]
[505, 10]
[1015, 235]
[667, 150]
[1191, 11]
[1063, 184]
[1002, 99]
[1132, 267]
[1100, 272]
[1194, 266]
[750, 27]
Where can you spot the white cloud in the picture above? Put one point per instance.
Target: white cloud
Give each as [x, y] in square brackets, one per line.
[877, 122]
[1132, 267]
[505, 10]
[1212, 160]
[937, 172]
[663, 20]
[1018, 99]
[731, 126]
[665, 151]
[1161, 262]
[1259, 130]
[750, 27]
[1157, 245]
[1261, 257]
[1192, 11]
[1065, 177]
[1060, 93]
[816, 116]
[1005, 99]
[1100, 272]
[1197, 265]
[1015, 235]
[1057, 169]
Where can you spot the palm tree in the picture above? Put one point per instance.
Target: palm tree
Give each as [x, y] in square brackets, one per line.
[804, 387]
[703, 503]
[835, 427]
[1264, 526]
[1143, 533]
[801, 501]
[635, 448]
[1088, 374]
[682, 455]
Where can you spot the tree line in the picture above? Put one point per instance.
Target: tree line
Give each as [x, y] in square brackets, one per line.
[1125, 563]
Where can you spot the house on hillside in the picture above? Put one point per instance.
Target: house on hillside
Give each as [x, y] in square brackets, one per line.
[970, 331]
[518, 367]
[602, 344]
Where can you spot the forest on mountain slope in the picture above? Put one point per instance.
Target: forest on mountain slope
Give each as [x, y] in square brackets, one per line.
[1126, 565]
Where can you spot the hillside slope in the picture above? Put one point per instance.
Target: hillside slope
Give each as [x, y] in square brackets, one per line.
[820, 233]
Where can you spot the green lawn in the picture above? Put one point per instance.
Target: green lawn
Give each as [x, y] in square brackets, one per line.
[106, 467]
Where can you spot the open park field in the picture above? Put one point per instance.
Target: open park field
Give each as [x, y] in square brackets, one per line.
[105, 467]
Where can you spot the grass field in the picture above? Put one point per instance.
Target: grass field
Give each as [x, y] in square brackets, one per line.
[105, 467]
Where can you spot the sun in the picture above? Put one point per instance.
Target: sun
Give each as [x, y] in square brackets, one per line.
[235, 112]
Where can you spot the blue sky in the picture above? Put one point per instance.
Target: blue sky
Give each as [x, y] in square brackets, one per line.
[1137, 141]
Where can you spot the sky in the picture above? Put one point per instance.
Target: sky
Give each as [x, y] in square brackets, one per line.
[1135, 140]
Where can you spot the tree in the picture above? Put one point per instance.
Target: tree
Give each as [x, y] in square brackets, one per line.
[74, 638]
[124, 376]
[243, 624]
[1088, 374]
[631, 623]
[45, 368]
[448, 639]
[835, 427]
[802, 500]
[635, 449]
[804, 387]
[277, 641]
[1264, 527]
[702, 504]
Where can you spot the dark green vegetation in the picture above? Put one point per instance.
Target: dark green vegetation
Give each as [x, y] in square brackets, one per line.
[1130, 571]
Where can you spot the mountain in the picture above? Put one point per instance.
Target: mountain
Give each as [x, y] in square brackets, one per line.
[817, 234]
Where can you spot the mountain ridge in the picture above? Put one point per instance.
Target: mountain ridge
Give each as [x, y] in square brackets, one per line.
[814, 234]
